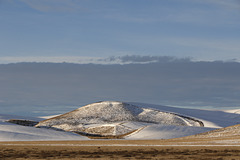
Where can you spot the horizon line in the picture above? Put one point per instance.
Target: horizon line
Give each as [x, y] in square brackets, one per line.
[127, 59]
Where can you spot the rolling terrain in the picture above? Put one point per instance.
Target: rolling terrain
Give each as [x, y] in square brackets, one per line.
[119, 120]
[111, 118]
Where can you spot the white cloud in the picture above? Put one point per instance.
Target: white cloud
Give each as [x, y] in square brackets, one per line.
[122, 60]
[67, 59]
[76, 60]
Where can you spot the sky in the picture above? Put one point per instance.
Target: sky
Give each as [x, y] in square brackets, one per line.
[66, 30]
[172, 52]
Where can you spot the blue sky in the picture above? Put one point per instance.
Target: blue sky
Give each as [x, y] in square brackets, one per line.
[201, 29]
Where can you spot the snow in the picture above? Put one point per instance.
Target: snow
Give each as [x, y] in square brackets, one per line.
[210, 118]
[116, 118]
[13, 132]
[236, 111]
[111, 112]
[50, 116]
[157, 131]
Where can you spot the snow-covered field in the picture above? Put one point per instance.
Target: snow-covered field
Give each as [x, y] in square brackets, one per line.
[166, 132]
[147, 121]
[13, 132]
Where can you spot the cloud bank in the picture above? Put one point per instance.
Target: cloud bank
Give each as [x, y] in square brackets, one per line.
[51, 88]
[128, 59]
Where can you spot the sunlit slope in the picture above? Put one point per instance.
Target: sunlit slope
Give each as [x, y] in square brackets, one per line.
[112, 112]
[111, 118]
[13, 132]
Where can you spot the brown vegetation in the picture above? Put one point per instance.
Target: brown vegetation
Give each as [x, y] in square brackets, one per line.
[201, 147]
[22, 122]
[99, 136]
[122, 149]
[113, 152]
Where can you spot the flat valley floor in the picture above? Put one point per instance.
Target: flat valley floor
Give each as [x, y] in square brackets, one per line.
[180, 148]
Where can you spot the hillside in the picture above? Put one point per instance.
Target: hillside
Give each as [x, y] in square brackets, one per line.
[13, 132]
[111, 119]
[108, 118]
[230, 131]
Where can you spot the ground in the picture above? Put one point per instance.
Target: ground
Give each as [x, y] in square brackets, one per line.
[181, 148]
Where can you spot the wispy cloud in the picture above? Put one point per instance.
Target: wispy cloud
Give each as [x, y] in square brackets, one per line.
[53, 5]
[122, 60]
[212, 12]
[128, 59]
[229, 4]
[46, 59]
[209, 13]
[206, 12]
[208, 49]
[201, 48]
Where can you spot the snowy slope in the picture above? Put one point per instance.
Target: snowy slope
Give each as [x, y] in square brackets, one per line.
[157, 131]
[112, 112]
[13, 132]
[236, 111]
[210, 118]
[115, 118]
[230, 131]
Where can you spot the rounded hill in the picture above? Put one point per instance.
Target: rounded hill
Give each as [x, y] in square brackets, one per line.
[106, 112]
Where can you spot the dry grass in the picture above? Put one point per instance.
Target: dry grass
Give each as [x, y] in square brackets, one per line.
[113, 152]
[22, 122]
[99, 136]
[97, 149]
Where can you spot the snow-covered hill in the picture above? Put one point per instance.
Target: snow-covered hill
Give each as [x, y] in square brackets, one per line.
[210, 118]
[109, 116]
[127, 120]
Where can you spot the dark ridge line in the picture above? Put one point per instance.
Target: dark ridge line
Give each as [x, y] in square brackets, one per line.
[23, 122]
